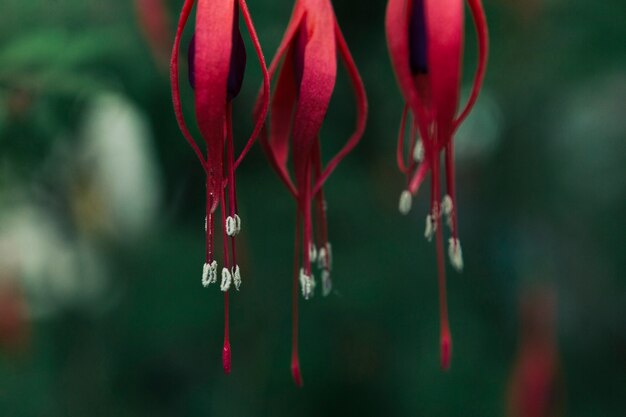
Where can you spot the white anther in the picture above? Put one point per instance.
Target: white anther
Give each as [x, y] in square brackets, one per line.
[406, 199]
[455, 253]
[226, 279]
[205, 223]
[447, 207]
[327, 284]
[233, 225]
[329, 256]
[307, 284]
[418, 151]
[236, 277]
[209, 273]
[312, 252]
[230, 226]
[431, 227]
[321, 257]
[237, 224]
[205, 274]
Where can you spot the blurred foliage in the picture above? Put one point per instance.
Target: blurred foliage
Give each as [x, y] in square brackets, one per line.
[127, 329]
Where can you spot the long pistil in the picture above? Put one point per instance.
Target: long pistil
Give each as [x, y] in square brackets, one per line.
[444, 332]
[295, 360]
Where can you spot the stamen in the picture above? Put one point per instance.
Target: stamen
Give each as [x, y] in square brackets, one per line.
[455, 253]
[418, 151]
[236, 277]
[321, 257]
[226, 280]
[205, 275]
[205, 223]
[237, 224]
[209, 273]
[233, 225]
[307, 284]
[329, 255]
[312, 252]
[447, 207]
[406, 199]
[327, 284]
[431, 227]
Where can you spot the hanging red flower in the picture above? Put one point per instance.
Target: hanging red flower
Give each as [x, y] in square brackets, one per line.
[306, 62]
[217, 61]
[425, 39]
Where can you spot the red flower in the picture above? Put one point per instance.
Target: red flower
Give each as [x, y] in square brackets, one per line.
[536, 385]
[306, 80]
[425, 39]
[217, 63]
[155, 27]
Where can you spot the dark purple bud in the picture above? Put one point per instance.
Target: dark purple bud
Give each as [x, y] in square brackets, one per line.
[237, 59]
[417, 39]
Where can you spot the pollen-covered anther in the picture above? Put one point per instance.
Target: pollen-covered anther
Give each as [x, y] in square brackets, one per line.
[205, 274]
[431, 227]
[327, 283]
[233, 225]
[209, 273]
[447, 207]
[329, 256]
[226, 279]
[236, 277]
[418, 151]
[312, 252]
[307, 284]
[455, 253]
[406, 199]
[322, 257]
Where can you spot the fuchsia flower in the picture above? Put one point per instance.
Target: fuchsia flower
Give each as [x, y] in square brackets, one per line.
[306, 80]
[217, 63]
[536, 385]
[155, 26]
[425, 39]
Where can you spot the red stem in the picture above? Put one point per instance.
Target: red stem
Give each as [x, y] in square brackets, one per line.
[450, 186]
[445, 337]
[295, 360]
[226, 354]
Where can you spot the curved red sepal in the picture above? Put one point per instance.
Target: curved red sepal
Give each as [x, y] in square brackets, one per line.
[178, 110]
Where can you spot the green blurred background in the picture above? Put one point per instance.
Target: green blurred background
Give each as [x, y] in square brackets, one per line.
[102, 312]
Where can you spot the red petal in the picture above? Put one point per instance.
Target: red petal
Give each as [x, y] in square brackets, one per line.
[283, 104]
[316, 86]
[444, 27]
[214, 24]
[284, 92]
